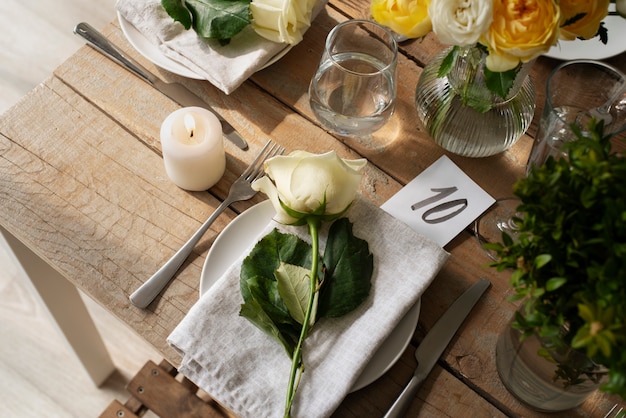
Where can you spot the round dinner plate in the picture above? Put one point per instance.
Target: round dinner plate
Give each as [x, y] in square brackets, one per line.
[152, 52]
[593, 49]
[242, 233]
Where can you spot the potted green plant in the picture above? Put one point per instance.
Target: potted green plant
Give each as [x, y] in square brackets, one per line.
[568, 262]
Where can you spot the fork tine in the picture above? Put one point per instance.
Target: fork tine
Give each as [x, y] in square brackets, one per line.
[258, 158]
[260, 172]
[257, 166]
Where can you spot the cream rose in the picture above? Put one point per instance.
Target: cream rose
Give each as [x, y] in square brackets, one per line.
[406, 17]
[302, 184]
[460, 22]
[587, 26]
[521, 31]
[283, 21]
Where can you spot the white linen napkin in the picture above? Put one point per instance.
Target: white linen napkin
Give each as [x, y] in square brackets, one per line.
[226, 67]
[248, 372]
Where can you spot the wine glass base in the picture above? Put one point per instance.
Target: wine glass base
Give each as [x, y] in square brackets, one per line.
[488, 228]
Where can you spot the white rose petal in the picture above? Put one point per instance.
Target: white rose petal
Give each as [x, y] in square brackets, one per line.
[283, 21]
[460, 22]
[304, 182]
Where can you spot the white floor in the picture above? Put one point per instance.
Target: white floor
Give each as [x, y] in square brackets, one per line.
[36, 36]
[39, 375]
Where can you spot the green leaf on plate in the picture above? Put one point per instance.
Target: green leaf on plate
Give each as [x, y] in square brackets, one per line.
[267, 255]
[219, 19]
[349, 267]
[266, 310]
[177, 11]
[294, 289]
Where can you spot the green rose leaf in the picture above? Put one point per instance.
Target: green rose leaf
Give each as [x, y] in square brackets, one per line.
[448, 62]
[218, 19]
[267, 312]
[349, 266]
[500, 83]
[269, 252]
[263, 305]
[293, 287]
[177, 11]
[254, 313]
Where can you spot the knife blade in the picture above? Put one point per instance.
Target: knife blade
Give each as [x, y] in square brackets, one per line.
[175, 91]
[432, 346]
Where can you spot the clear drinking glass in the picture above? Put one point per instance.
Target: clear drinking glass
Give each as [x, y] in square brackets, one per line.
[576, 91]
[353, 90]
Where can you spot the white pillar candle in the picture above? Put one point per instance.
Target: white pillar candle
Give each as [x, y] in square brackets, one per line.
[193, 148]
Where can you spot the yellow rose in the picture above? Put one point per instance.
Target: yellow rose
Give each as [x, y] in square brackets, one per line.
[587, 26]
[406, 17]
[521, 31]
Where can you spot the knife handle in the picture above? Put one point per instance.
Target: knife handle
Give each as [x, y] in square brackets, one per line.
[98, 41]
[401, 405]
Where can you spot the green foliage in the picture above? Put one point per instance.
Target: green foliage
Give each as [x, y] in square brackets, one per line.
[569, 258]
[263, 305]
[349, 266]
[471, 89]
[274, 281]
[293, 288]
[448, 62]
[500, 83]
[217, 19]
[177, 11]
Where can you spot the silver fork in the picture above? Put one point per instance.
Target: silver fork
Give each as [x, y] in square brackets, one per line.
[619, 413]
[241, 189]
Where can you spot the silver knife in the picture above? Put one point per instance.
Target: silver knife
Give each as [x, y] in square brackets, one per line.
[175, 91]
[435, 342]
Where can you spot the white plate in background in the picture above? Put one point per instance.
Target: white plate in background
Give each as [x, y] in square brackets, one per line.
[152, 52]
[593, 48]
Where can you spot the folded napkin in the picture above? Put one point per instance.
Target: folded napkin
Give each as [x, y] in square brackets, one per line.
[248, 372]
[226, 67]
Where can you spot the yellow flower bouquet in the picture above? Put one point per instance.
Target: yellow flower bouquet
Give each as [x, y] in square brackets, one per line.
[512, 31]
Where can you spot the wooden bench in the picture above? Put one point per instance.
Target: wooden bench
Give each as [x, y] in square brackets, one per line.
[161, 390]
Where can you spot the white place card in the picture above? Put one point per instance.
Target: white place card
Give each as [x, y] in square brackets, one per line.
[440, 202]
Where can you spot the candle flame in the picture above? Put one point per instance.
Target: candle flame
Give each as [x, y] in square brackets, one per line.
[190, 124]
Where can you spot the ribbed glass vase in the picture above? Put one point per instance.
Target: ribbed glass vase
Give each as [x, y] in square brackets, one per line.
[462, 115]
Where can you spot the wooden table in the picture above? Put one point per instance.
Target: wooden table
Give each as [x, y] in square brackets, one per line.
[85, 203]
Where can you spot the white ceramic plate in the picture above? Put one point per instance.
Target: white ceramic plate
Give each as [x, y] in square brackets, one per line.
[592, 48]
[152, 52]
[242, 232]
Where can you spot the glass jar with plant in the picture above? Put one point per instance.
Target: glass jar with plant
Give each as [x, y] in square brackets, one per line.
[568, 262]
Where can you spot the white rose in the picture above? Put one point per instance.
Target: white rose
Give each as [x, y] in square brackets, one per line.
[310, 184]
[283, 21]
[460, 22]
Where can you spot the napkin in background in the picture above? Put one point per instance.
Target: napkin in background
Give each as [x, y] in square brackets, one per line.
[226, 67]
[248, 372]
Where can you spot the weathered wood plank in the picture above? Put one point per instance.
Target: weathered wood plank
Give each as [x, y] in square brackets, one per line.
[92, 201]
[442, 394]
